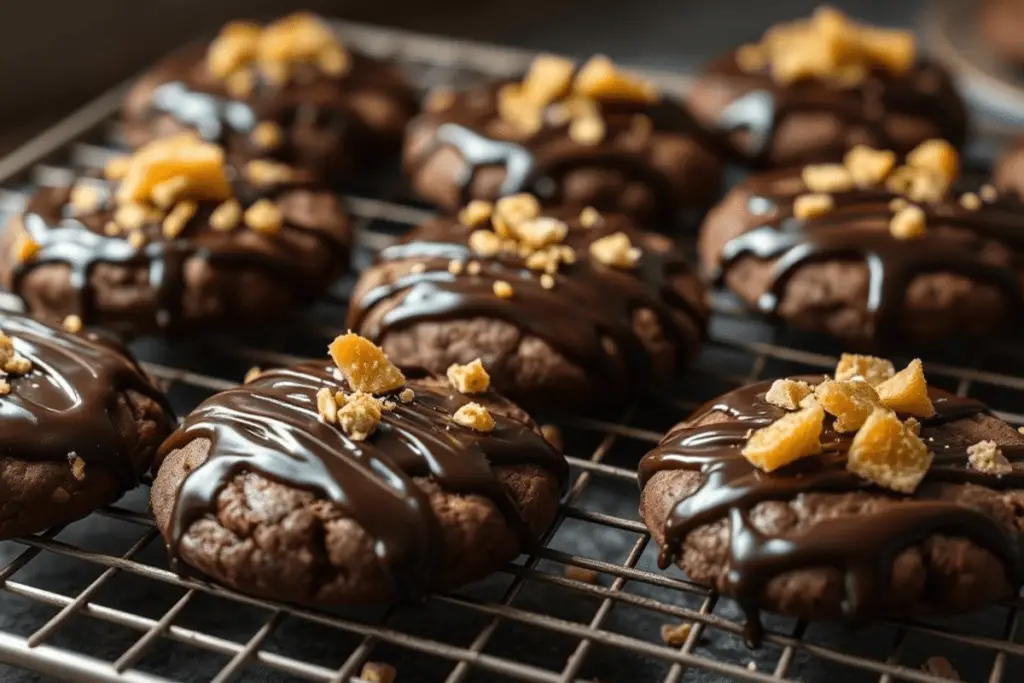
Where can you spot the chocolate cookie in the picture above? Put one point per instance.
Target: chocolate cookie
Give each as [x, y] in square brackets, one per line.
[566, 310]
[812, 89]
[289, 91]
[317, 486]
[1001, 23]
[591, 136]
[821, 498]
[80, 423]
[871, 253]
[167, 242]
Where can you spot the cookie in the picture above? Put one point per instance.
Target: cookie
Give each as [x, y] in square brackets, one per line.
[80, 422]
[875, 254]
[289, 91]
[1001, 23]
[592, 136]
[812, 89]
[568, 311]
[167, 242]
[857, 498]
[354, 483]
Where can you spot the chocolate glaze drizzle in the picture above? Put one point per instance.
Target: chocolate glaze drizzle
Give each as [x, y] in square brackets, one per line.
[984, 245]
[535, 164]
[862, 547]
[65, 404]
[588, 303]
[271, 427]
[751, 120]
[81, 244]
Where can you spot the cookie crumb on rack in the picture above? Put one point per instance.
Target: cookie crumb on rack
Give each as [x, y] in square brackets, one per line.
[675, 635]
[940, 666]
[375, 672]
[581, 574]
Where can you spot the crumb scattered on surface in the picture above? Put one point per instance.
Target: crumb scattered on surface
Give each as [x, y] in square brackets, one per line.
[675, 635]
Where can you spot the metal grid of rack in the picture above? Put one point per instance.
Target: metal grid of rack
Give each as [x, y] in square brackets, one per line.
[96, 602]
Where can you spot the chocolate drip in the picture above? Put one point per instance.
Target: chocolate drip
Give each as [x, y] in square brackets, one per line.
[958, 241]
[65, 405]
[752, 119]
[81, 245]
[271, 427]
[589, 303]
[209, 114]
[862, 547]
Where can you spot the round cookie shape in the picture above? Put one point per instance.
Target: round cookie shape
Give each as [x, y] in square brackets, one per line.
[157, 258]
[813, 89]
[269, 490]
[571, 325]
[814, 539]
[80, 422]
[289, 91]
[880, 264]
[577, 137]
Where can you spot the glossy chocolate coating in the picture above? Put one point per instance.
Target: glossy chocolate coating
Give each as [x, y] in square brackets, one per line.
[862, 547]
[270, 426]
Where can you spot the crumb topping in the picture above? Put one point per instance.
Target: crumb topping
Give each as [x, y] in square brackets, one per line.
[11, 363]
[471, 378]
[986, 456]
[787, 393]
[474, 416]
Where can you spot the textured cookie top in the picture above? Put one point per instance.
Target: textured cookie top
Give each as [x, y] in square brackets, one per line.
[869, 429]
[174, 200]
[558, 117]
[571, 280]
[311, 428]
[59, 394]
[267, 85]
[863, 76]
[903, 222]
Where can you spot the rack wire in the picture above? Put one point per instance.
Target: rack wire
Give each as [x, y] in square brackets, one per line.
[96, 602]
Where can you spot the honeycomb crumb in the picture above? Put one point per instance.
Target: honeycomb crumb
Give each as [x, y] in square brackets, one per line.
[937, 156]
[25, 248]
[986, 456]
[470, 378]
[970, 201]
[599, 79]
[869, 167]
[234, 47]
[264, 217]
[751, 58]
[940, 666]
[808, 206]
[988, 193]
[581, 574]
[589, 217]
[476, 213]
[439, 100]
[503, 290]
[907, 391]
[827, 178]
[543, 260]
[5, 387]
[360, 416]
[77, 466]
[226, 216]
[326, 406]
[185, 155]
[85, 198]
[553, 435]
[897, 204]
[913, 425]
[787, 393]
[473, 268]
[675, 635]
[908, 223]
[375, 672]
[511, 211]
[475, 417]
[240, 84]
[72, 324]
[455, 267]
[485, 243]
[871, 369]
[263, 173]
[267, 135]
[178, 218]
[252, 374]
[850, 402]
[539, 232]
[340, 398]
[111, 229]
[116, 168]
[791, 437]
[165, 193]
[587, 131]
[137, 239]
[548, 79]
[365, 365]
[406, 395]
[547, 281]
[518, 110]
[615, 250]
[887, 453]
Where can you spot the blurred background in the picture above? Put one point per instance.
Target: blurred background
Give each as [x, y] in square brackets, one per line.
[60, 53]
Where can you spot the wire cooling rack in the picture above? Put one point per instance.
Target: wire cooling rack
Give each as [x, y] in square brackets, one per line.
[95, 601]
